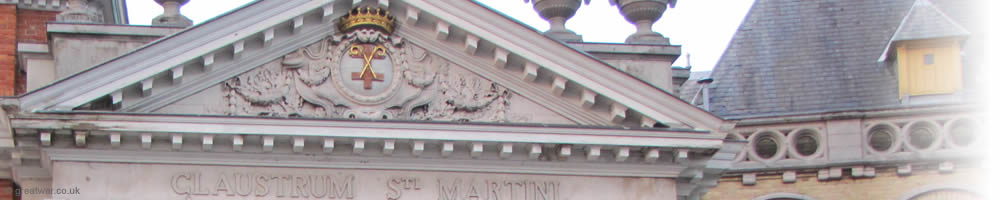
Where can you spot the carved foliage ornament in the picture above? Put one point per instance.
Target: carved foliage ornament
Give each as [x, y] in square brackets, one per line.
[365, 72]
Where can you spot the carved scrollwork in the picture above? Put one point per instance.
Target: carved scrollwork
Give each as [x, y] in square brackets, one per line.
[465, 97]
[308, 83]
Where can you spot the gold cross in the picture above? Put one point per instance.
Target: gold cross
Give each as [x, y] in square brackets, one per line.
[367, 73]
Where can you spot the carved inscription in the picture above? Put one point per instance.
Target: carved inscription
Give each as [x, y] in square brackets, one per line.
[344, 186]
[472, 189]
[264, 185]
[398, 185]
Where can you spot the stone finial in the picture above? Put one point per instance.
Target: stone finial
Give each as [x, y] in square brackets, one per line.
[557, 12]
[643, 13]
[79, 12]
[172, 14]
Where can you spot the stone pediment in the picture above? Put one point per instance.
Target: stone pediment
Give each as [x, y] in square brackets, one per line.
[453, 61]
[327, 79]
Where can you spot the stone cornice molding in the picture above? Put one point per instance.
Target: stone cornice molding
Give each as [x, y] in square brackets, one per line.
[111, 29]
[931, 157]
[320, 143]
[860, 114]
[356, 162]
[370, 130]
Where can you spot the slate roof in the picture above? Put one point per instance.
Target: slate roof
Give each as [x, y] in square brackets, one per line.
[811, 56]
[690, 87]
[793, 56]
[925, 21]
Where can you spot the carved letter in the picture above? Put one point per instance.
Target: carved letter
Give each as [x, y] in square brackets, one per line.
[262, 189]
[346, 189]
[447, 192]
[319, 184]
[222, 185]
[544, 191]
[280, 182]
[493, 190]
[301, 187]
[200, 189]
[394, 189]
[175, 184]
[243, 184]
[473, 192]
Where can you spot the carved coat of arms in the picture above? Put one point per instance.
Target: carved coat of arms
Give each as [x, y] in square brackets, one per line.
[365, 72]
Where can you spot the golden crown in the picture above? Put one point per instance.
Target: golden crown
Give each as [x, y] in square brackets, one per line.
[368, 17]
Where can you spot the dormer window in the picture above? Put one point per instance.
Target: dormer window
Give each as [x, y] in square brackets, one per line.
[928, 67]
[927, 51]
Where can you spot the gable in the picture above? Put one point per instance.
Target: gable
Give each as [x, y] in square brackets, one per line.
[546, 72]
[429, 88]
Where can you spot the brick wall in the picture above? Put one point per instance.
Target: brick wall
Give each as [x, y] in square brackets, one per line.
[6, 190]
[31, 25]
[886, 185]
[8, 48]
[31, 28]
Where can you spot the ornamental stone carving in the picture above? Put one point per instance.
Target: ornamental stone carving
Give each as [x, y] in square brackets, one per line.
[365, 73]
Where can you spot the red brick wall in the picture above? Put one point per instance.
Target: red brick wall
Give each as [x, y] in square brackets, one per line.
[31, 25]
[31, 28]
[6, 190]
[8, 48]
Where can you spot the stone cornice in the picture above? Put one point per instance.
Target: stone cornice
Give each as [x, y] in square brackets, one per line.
[110, 29]
[359, 162]
[665, 138]
[894, 111]
[356, 144]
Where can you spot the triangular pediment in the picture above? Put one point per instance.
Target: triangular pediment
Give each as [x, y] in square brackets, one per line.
[456, 56]
[413, 84]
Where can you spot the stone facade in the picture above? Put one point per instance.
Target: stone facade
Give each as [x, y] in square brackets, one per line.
[347, 100]
[434, 100]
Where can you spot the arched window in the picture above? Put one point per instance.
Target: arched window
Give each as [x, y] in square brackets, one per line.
[784, 196]
[938, 192]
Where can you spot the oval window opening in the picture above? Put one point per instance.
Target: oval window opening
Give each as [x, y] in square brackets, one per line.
[766, 147]
[806, 144]
[922, 137]
[962, 134]
[880, 139]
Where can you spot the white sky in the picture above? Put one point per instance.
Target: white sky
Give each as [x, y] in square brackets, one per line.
[702, 27]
